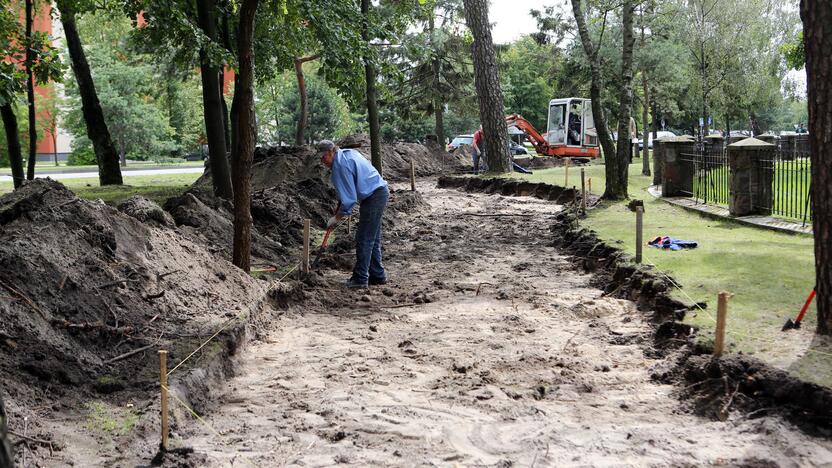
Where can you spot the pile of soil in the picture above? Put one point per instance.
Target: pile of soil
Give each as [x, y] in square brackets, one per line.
[289, 185]
[83, 283]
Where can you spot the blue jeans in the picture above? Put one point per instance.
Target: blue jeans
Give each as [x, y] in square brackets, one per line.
[368, 237]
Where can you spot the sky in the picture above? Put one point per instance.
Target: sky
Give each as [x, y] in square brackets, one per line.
[511, 18]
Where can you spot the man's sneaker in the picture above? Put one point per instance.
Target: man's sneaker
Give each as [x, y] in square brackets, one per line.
[377, 281]
[353, 284]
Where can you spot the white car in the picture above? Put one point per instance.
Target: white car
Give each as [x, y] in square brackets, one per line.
[661, 134]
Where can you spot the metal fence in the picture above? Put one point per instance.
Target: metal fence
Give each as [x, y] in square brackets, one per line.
[790, 175]
[785, 173]
[709, 167]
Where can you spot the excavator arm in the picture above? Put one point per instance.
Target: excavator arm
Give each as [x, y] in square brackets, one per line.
[540, 144]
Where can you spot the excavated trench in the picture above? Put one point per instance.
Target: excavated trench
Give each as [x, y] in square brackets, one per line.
[487, 347]
[710, 385]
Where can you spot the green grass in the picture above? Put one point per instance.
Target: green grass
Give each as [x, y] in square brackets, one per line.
[158, 187]
[109, 420]
[769, 273]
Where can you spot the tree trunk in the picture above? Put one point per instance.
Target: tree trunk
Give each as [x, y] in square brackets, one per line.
[487, 82]
[657, 170]
[372, 105]
[438, 104]
[122, 156]
[109, 172]
[55, 142]
[596, 84]
[303, 104]
[817, 37]
[244, 136]
[30, 95]
[645, 120]
[617, 177]
[304, 99]
[212, 105]
[13, 144]
[754, 125]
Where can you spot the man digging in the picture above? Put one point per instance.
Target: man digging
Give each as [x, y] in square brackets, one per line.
[357, 181]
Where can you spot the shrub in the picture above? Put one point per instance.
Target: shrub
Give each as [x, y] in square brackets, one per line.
[81, 157]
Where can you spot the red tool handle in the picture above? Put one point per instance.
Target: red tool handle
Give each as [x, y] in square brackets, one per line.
[805, 306]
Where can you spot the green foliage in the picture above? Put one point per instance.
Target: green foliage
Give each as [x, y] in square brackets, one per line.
[279, 109]
[528, 75]
[794, 51]
[81, 156]
[128, 90]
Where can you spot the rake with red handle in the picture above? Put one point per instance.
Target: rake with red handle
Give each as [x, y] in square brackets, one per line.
[791, 324]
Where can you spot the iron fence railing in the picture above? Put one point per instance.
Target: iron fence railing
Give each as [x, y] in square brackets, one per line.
[791, 182]
[710, 177]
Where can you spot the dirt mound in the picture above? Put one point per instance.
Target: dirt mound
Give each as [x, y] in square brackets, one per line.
[145, 211]
[84, 284]
[208, 220]
[429, 160]
[289, 185]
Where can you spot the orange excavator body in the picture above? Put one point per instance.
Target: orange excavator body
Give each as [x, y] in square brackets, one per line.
[542, 146]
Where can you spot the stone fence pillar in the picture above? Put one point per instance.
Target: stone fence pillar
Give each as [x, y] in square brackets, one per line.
[677, 171]
[751, 164]
[658, 160]
[788, 146]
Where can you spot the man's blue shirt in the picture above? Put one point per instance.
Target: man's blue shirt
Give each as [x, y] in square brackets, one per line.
[354, 178]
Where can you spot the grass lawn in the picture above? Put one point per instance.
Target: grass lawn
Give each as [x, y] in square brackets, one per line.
[769, 273]
[157, 187]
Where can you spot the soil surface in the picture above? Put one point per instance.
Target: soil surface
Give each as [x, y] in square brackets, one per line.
[486, 348]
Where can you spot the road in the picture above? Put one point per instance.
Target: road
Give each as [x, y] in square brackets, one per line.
[125, 172]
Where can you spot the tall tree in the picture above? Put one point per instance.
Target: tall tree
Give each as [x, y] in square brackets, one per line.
[109, 172]
[592, 52]
[30, 90]
[244, 136]
[370, 80]
[487, 82]
[12, 141]
[303, 121]
[617, 170]
[212, 101]
[817, 36]
[45, 66]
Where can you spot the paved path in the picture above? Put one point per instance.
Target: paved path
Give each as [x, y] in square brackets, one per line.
[126, 173]
[717, 211]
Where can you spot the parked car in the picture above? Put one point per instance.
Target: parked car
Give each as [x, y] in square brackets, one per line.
[660, 134]
[460, 141]
[518, 149]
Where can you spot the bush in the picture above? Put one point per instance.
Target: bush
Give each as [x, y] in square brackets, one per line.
[81, 157]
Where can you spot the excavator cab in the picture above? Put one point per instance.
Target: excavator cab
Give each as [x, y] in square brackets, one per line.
[571, 128]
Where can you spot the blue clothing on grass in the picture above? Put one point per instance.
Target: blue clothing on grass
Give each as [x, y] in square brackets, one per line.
[666, 242]
[354, 179]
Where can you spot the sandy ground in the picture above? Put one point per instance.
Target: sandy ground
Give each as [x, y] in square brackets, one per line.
[506, 358]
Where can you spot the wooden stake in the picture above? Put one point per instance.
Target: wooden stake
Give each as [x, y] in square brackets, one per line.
[566, 173]
[304, 265]
[583, 191]
[721, 314]
[412, 177]
[163, 385]
[349, 224]
[639, 231]
[589, 183]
